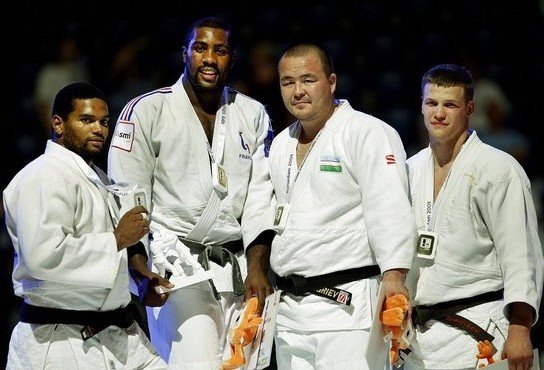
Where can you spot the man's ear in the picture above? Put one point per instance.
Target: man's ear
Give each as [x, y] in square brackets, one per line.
[57, 125]
[470, 108]
[332, 82]
[184, 52]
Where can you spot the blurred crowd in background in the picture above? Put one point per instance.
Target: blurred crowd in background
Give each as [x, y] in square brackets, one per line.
[380, 48]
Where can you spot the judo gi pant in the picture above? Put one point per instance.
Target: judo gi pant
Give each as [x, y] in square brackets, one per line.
[60, 346]
[190, 329]
[321, 350]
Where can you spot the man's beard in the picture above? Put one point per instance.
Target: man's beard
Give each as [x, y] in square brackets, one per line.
[205, 89]
[81, 150]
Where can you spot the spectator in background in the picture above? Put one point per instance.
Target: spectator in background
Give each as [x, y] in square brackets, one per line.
[262, 83]
[130, 73]
[506, 138]
[66, 66]
[492, 106]
[493, 116]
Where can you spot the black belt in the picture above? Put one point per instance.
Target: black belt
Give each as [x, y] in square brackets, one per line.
[298, 285]
[92, 321]
[446, 313]
[220, 254]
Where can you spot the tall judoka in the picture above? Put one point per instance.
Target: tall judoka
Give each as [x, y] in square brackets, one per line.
[71, 264]
[479, 254]
[343, 218]
[200, 150]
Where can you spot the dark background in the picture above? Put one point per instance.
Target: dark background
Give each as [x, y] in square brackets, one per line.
[380, 48]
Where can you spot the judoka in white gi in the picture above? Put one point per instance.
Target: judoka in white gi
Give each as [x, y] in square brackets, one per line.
[70, 257]
[200, 149]
[475, 213]
[342, 203]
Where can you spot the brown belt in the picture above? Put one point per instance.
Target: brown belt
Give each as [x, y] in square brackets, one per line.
[446, 313]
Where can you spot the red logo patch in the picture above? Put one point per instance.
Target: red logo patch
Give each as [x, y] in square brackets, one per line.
[390, 159]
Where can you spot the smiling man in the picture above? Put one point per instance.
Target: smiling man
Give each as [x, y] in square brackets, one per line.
[200, 149]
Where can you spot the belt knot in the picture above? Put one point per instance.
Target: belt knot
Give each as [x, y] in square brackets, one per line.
[220, 254]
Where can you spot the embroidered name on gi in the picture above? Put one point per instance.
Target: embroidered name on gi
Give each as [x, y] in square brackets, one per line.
[337, 295]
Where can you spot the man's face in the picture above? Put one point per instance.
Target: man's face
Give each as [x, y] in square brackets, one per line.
[86, 129]
[306, 90]
[445, 111]
[208, 58]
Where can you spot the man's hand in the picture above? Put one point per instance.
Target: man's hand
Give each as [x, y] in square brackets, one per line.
[147, 280]
[257, 282]
[518, 349]
[393, 283]
[150, 297]
[132, 227]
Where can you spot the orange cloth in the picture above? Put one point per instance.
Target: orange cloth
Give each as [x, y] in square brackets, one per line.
[393, 318]
[485, 351]
[243, 334]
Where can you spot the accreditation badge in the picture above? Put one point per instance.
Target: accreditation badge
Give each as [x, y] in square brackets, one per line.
[427, 244]
[280, 218]
[219, 178]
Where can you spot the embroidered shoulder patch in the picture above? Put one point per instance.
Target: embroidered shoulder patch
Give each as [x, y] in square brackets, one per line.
[123, 137]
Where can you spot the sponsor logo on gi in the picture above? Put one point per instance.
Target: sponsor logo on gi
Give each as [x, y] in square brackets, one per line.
[123, 136]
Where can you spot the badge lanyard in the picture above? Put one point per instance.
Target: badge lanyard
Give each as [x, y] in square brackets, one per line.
[428, 246]
[219, 179]
[219, 175]
[427, 239]
[282, 210]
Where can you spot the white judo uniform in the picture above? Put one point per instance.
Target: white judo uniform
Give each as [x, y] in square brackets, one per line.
[160, 145]
[66, 257]
[348, 208]
[487, 239]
